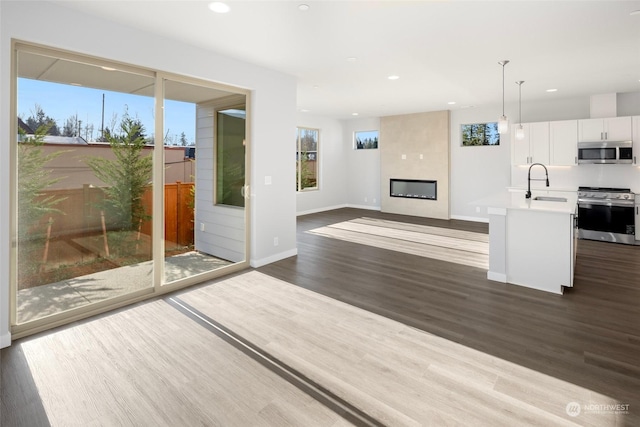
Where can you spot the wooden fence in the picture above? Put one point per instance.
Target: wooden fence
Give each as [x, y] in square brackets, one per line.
[79, 213]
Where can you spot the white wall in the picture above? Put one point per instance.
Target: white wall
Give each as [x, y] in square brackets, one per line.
[628, 104]
[476, 172]
[363, 170]
[333, 166]
[272, 114]
[5, 241]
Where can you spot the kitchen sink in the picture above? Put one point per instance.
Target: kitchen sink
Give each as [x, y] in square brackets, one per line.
[550, 199]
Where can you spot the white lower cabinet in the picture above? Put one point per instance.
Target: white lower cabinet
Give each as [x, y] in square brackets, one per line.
[636, 140]
[637, 220]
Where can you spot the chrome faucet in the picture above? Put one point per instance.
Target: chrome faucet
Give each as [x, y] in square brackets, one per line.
[528, 195]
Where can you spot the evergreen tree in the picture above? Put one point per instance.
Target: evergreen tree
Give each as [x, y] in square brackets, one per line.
[39, 120]
[126, 177]
[33, 180]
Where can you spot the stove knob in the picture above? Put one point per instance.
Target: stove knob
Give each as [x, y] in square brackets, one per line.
[626, 196]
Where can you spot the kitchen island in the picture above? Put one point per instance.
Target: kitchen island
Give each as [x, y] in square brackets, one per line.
[532, 242]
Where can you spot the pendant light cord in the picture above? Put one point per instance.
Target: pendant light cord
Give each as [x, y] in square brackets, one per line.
[520, 102]
[519, 83]
[503, 64]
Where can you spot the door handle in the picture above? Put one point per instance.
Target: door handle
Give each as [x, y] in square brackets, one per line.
[244, 191]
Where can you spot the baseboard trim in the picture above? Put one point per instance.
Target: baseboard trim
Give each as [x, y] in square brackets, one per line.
[5, 340]
[369, 208]
[323, 209]
[470, 218]
[497, 277]
[256, 263]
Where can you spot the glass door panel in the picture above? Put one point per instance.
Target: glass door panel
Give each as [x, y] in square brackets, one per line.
[84, 163]
[201, 237]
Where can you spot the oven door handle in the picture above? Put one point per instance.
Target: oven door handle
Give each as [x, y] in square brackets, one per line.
[620, 203]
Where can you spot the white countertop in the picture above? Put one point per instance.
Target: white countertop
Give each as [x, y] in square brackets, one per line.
[515, 199]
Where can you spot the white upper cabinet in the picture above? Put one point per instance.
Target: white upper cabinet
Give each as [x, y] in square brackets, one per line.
[534, 148]
[539, 142]
[611, 129]
[563, 142]
[520, 147]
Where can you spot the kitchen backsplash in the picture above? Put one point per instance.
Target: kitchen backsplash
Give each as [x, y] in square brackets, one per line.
[572, 177]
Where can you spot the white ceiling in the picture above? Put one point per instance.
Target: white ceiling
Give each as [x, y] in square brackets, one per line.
[442, 50]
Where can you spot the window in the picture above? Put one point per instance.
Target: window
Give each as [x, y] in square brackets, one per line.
[306, 159]
[230, 134]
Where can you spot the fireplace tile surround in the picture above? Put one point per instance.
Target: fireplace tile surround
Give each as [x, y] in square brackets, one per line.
[415, 147]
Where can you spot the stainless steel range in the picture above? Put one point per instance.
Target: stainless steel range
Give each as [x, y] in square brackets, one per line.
[606, 214]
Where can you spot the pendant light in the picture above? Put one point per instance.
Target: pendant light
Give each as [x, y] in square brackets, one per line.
[520, 129]
[503, 122]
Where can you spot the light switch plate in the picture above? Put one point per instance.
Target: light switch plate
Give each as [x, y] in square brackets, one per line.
[267, 180]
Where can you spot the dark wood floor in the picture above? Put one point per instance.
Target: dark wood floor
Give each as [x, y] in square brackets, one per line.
[590, 336]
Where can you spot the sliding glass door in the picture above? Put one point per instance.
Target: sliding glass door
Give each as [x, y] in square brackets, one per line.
[113, 201]
[204, 183]
[83, 164]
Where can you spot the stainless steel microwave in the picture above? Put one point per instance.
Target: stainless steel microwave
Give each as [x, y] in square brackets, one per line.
[605, 152]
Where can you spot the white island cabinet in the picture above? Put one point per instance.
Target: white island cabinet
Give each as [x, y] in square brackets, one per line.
[532, 242]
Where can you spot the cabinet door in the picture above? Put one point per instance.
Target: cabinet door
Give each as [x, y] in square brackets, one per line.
[520, 147]
[539, 142]
[636, 140]
[638, 220]
[563, 142]
[590, 130]
[618, 129]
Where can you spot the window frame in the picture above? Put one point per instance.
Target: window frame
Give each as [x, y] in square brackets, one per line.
[19, 330]
[316, 187]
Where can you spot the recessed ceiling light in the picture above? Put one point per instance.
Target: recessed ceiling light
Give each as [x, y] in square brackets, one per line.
[316, 87]
[108, 68]
[354, 114]
[304, 111]
[303, 7]
[76, 84]
[635, 12]
[219, 7]
[352, 59]
[393, 77]
[552, 90]
[451, 102]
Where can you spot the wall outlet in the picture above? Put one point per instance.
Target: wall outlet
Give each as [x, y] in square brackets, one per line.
[421, 157]
[477, 209]
[275, 241]
[365, 200]
[202, 226]
[374, 200]
[404, 157]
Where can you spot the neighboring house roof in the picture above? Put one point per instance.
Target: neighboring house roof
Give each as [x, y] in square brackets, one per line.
[25, 127]
[77, 140]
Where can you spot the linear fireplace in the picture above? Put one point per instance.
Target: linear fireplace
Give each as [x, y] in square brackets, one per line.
[414, 189]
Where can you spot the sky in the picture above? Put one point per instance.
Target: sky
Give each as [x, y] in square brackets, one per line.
[61, 101]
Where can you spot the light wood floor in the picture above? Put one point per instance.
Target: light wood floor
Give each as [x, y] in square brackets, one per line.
[147, 365]
[405, 339]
